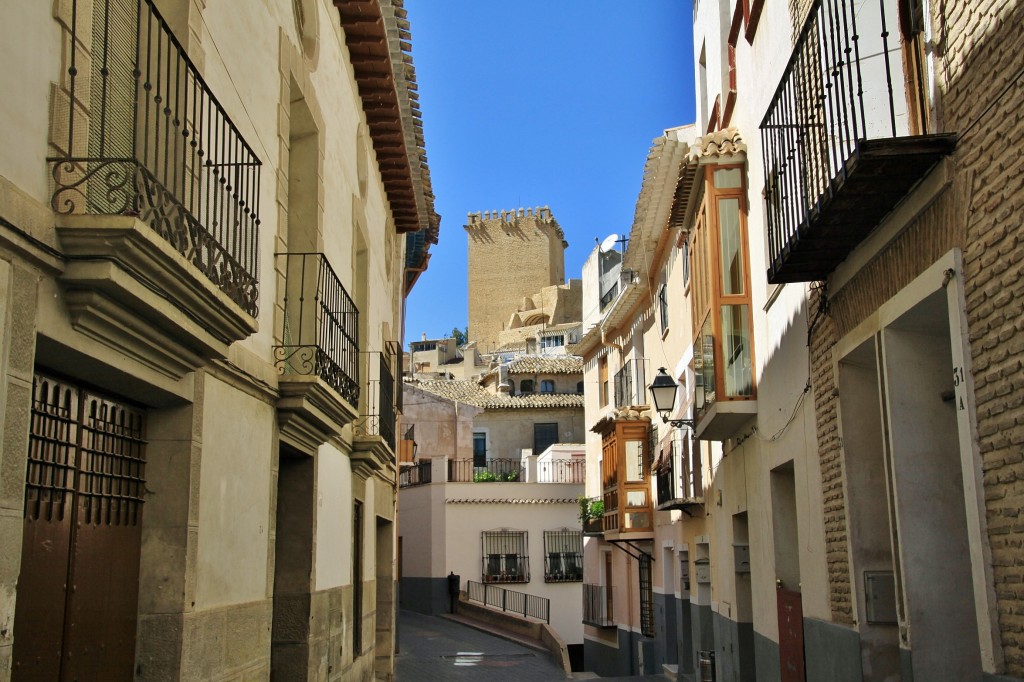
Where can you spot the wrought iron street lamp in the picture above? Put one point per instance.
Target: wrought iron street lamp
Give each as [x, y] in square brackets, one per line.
[664, 390]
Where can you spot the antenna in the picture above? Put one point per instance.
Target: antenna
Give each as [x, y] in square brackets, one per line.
[609, 243]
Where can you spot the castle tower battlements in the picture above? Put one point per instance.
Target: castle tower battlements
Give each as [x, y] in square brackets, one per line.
[512, 254]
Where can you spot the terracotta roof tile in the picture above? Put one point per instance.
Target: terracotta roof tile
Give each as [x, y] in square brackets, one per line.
[550, 364]
[470, 392]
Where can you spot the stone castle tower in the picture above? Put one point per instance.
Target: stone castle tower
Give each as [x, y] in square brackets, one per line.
[512, 255]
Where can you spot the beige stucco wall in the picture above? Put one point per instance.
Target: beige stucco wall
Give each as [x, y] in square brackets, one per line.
[28, 29]
[442, 427]
[333, 563]
[465, 522]
[509, 432]
[234, 509]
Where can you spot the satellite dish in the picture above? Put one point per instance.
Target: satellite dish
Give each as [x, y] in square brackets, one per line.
[609, 243]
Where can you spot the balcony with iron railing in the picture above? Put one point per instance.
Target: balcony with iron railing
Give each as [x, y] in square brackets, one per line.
[318, 353]
[497, 470]
[420, 473]
[841, 137]
[630, 384]
[374, 429]
[154, 187]
[679, 483]
[597, 606]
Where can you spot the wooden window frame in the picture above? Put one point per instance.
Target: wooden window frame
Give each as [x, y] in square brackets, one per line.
[708, 296]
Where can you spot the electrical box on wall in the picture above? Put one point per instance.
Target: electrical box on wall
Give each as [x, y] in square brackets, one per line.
[741, 553]
[880, 597]
[702, 567]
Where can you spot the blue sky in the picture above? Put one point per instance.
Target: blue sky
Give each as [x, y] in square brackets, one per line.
[540, 103]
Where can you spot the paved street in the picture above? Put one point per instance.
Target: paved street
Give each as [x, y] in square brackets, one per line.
[433, 648]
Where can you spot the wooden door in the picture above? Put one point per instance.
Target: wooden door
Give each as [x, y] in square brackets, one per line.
[75, 617]
[791, 635]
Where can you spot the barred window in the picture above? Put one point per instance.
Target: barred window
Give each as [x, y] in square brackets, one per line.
[505, 557]
[663, 306]
[563, 556]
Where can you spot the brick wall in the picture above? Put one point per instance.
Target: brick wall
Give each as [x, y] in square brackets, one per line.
[980, 59]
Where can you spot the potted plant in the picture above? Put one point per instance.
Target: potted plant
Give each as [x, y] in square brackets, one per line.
[591, 512]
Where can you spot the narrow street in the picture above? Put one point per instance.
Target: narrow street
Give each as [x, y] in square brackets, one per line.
[433, 648]
[437, 649]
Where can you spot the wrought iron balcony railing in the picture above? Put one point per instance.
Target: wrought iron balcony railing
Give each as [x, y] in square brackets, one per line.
[630, 384]
[597, 606]
[562, 471]
[839, 148]
[378, 415]
[418, 474]
[137, 131]
[493, 470]
[321, 326]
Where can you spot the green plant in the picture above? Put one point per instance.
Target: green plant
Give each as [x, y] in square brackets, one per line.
[590, 509]
[510, 476]
[484, 477]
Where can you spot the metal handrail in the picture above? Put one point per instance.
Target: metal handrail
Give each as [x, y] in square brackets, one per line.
[528, 605]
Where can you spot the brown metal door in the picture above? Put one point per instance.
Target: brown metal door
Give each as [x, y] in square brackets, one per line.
[791, 635]
[75, 616]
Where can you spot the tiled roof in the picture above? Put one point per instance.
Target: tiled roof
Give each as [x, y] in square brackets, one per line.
[549, 364]
[727, 142]
[511, 346]
[468, 391]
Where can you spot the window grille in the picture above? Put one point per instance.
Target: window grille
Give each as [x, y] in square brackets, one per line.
[663, 307]
[563, 556]
[505, 557]
[646, 597]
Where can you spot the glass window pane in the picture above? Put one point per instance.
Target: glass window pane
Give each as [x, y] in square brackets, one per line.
[704, 362]
[737, 370]
[732, 246]
[636, 498]
[634, 460]
[638, 520]
[728, 178]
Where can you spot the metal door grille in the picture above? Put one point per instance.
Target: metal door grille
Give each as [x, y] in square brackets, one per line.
[49, 479]
[112, 464]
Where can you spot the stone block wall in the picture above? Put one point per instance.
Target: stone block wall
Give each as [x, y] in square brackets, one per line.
[512, 255]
